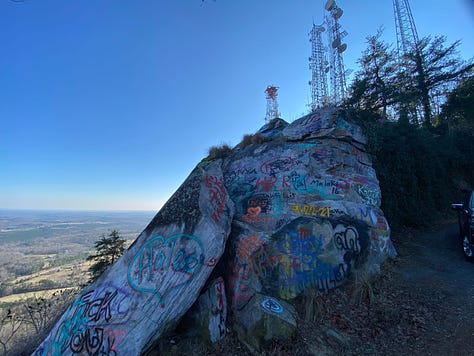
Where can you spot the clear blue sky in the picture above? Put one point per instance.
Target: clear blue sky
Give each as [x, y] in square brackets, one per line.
[109, 104]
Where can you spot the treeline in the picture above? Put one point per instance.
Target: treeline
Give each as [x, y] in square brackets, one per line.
[40, 286]
[418, 114]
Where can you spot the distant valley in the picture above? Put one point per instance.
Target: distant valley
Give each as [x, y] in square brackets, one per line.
[43, 250]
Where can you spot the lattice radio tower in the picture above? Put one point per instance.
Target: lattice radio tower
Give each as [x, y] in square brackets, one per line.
[272, 104]
[319, 68]
[337, 73]
[407, 37]
[407, 42]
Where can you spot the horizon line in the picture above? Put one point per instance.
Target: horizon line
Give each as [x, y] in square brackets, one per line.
[77, 210]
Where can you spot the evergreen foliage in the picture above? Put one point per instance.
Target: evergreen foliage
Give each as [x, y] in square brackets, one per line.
[430, 70]
[406, 88]
[422, 162]
[375, 83]
[420, 170]
[458, 111]
[108, 250]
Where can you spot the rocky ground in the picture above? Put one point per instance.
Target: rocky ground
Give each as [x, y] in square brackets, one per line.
[421, 304]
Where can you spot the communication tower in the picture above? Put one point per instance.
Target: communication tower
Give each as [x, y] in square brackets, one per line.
[272, 104]
[407, 42]
[407, 37]
[319, 68]
[335, 33]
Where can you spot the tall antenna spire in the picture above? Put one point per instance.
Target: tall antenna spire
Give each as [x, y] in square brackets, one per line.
[319, 67]
[407, 43]
[272, 104]
[407, 37]
[336, 65]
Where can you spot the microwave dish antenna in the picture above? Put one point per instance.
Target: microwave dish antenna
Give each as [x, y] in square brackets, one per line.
[320, 28]
[342, 48]
[335, 33]
[329, 5]
[337, 13]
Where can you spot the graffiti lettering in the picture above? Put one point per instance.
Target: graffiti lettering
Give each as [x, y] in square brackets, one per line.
[337, 212]
[218, 195]
[368, 216]
[231, 176]
[218, 315]
[311, 210]
[90, 341]
[211, 262]
[369, 196]
[114, 338]
[330, 186]
[266, 184]
[281, 164]
[296, 180]
[82, 328]
[240, 282]
[220, 293]
[347, 238]
[176, 258]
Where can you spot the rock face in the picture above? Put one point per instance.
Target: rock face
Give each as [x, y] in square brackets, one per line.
[307, 210]
[264, 319]
[207, 318]
[298, 211]
[156, 281]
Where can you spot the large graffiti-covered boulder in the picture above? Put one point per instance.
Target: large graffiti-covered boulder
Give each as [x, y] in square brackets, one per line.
[156, 281]
[307, 209]
[295, 208]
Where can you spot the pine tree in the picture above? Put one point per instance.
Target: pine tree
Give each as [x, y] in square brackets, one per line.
[375, 87]
[108, 250]
[432, 67]
[458, 111]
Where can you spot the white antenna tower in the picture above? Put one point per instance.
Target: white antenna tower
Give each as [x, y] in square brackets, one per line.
[337, 73]
[407, 37]
[272, 104]
[407, 42]
[319, 67]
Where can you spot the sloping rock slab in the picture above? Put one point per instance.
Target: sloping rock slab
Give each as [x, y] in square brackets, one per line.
[156, 281]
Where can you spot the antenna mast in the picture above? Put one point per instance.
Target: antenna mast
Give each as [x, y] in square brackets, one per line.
[272, 104]
[319, 67]
[407, 37]
[336, 65]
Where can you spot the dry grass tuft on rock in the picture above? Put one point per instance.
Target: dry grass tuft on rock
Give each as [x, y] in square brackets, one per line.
[248, 140]
[313, 304]
[216, 152]
[362, 289]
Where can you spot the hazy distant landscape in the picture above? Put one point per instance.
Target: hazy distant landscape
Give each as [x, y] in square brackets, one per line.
[35, 243]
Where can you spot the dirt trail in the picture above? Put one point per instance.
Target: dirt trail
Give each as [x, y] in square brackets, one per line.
[433, 267]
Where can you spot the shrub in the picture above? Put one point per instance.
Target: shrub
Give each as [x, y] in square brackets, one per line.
[255, 139]
[223, 151]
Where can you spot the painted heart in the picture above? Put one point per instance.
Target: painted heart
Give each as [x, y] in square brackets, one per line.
[254, 211]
